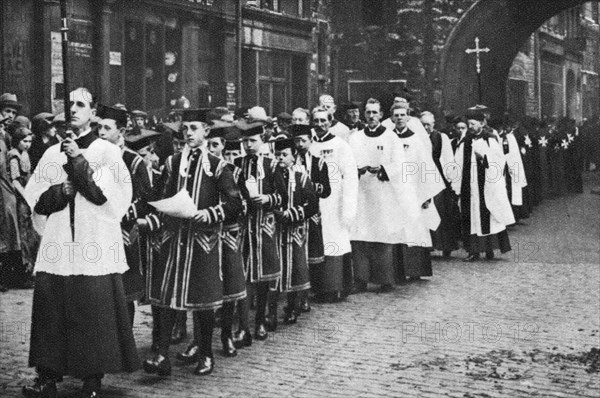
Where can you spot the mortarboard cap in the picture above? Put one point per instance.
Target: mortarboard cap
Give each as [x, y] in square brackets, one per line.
[195, 115]
[138, 138]
[233, 145]
[300, 129]
[350, 105]
[475, 113]
[219, 128]
[284, 143]
[250, 129]
[116, 114]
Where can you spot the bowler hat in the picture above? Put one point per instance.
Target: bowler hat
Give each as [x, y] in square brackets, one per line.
[8, 100]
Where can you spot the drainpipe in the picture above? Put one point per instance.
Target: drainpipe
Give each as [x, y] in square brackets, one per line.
[240, 28]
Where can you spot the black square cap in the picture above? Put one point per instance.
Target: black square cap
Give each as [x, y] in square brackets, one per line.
[195, 115]
[109, 112]
[300, 129]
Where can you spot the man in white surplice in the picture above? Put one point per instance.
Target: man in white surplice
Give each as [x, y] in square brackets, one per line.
[386, 200]
[414, 253]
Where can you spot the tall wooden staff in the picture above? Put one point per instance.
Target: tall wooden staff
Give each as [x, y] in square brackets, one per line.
[67, 100]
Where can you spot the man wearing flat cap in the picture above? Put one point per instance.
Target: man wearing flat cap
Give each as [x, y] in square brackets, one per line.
[485, 207]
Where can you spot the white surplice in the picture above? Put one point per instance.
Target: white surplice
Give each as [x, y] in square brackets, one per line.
[339, 208]
[384, 207]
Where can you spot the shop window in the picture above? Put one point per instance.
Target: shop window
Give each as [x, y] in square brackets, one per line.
[152, 65]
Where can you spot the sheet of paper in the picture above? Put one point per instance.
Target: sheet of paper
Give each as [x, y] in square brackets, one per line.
[252, 186]
[180, 205]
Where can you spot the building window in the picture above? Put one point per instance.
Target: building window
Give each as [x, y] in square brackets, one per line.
[151, 65]
[272, 5]
[277, 81]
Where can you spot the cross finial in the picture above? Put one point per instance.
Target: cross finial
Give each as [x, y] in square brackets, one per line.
[477, 50]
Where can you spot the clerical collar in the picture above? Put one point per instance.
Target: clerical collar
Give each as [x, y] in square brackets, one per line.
[328, 136]
[405, 133]
[376, 132]
[86, 138]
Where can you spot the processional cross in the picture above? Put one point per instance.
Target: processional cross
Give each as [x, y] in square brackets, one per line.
[478, 50]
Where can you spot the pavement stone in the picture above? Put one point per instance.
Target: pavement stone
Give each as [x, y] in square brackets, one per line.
[513, 327]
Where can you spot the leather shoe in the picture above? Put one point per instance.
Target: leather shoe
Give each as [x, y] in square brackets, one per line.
[228, 348]
[385, 289]
[260, 332]
[290, 318]
[472, 258]
[159, 365]
[489, 255]
[242, 338]
[205, 366]
[190, 355]
[40, 389]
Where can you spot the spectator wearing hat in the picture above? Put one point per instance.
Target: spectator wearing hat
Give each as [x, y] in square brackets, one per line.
[10, 244]
[302, 204]
[20, 171]
[266, 192]
[139, 118]
[44, 136]
[9, 109]
[284, 120]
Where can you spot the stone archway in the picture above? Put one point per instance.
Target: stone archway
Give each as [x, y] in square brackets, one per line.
[501, 25]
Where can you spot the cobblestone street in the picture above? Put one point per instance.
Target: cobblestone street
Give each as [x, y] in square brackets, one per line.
[524, 325]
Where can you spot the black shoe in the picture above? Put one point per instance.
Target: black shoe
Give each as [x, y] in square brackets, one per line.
[178, 334]
[260, 332]
[489, 255]
[359, 287]
[158, 364]
[228, 348]
[290, 318]
[190, 355]
[414, 278]
[385, 288]
[40, 389]
[446, 253]
[91, 388]
[205, 366]
[472, 258]
[242, 338]
[3, 289]
[305, 305]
